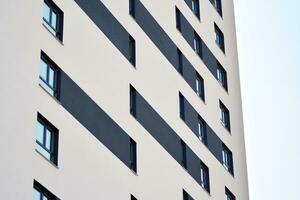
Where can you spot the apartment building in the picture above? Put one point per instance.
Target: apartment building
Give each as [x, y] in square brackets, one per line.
[120, 99]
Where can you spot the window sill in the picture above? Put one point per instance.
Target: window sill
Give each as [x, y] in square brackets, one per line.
[49, 161]
[53, 97]
[53, 34]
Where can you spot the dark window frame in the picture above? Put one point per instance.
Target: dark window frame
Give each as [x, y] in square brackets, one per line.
[181, 107]
[59, 19]
[205, 182]
[132, 51]
[132, 8]
[51, 64]
[220, 39]
[133, 155]
[204, 130]
[218, 7]
[222, 77]
[197, 45]
[180, 61]
[229, 194]
[54, 138]
[44, 191]
[184, 156]
[224, 116]
[228, 162]
[200, 86]
[178, 19]
[197, 10]
[132, 101]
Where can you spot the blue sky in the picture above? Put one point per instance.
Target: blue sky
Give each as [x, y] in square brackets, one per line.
[268, 35]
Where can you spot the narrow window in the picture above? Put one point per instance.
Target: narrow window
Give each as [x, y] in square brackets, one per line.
[228, 194]
[218, 6]
[178, 19]
[133, 155]
[186, 196]
[227, 159]
[224, 116]
[197, 44]
[222, 76]
[132, 197]
[202, 130]
[196, 8]
[204, 177]
[219, 37]
[132, 51]
[53, 18]
[180, 64]
[132, 8]
[49, 74]
[183, 149]
[46, 139]
[41, 193]
[181, 107]
[200, 86]
[132, 101]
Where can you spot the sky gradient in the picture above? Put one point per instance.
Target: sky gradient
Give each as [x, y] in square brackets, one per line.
[268, 35]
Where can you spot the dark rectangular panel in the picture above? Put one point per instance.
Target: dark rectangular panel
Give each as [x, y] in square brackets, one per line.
[94, 119]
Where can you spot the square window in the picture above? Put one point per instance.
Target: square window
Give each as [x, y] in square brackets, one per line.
[49, 75]
[46, 139]
[219, 36]
[53, 18]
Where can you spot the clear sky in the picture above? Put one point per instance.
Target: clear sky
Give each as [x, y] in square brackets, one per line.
[268, 34]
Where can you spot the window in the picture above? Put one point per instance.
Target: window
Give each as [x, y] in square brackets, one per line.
[53, 18]
[204, 177]
[200, 86]
[180, 64]
[201, 129]
[183, 149]
[133, 155]
[181, 107]
[186, 196]
[49, 72]
[224, 116]
[132, 197]
[132, 50]
[227, 159]
[197, 44]
[222, 76]
[46, 139]
[41, 193]
[228, 194]
[218, 6]
[219, 36]
[178, 19]
[196, 8]
[132, 101]
[132, 8]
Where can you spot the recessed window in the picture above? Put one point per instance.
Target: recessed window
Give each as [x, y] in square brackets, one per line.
[180, 64]
[178, 19]
[222, 76]
[228, 194]
[186, 196]
[219, 37]
[132, 50]
[196, 8]
[132, 101]
[201, 129]
[46, 139]
[197, 44]
[200, 86]
[49, 72]
[183, 151]
[224, 116]
[132, 8]
[218, 6]
[204, 176]
[53, 18]
[133, 163]
[41, 193]
[227, 159]
[181, 107]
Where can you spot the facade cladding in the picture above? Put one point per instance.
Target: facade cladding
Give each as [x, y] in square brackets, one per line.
[132, 99]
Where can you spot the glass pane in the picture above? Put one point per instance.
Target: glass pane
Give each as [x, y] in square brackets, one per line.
[45, 198]
[36, 194]
[54, 20]
[46, 12]
[39, 132]
[48, 139]
[46, 87]
[50, 29]
[51, 77]
[43, 151]
[43, 69]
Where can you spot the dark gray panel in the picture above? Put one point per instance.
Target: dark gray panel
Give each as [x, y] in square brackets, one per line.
[107, 23]
[94, 119]
[191, 117]
[166, 136]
